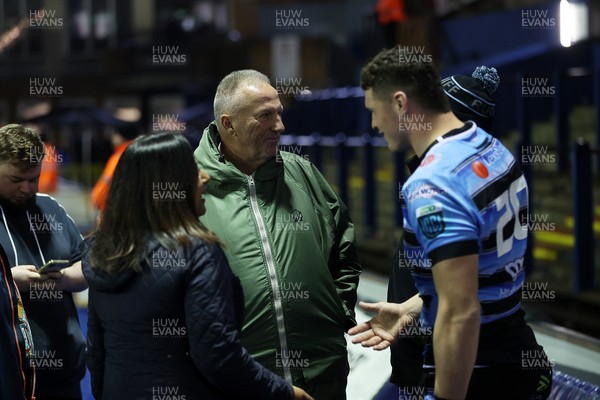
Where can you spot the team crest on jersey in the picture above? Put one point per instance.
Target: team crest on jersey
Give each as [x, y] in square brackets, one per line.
[431, 220]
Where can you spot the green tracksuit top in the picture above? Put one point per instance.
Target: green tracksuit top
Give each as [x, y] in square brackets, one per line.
[290, 240]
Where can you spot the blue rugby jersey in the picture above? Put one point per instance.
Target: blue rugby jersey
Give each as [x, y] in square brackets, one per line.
[467, 196]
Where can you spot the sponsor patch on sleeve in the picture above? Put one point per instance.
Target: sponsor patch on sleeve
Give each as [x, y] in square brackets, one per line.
[431, 220]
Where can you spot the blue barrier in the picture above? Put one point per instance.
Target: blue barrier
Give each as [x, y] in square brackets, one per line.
[565, 386]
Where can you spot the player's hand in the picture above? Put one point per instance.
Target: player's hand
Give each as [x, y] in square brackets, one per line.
[384, 328]
[300, 394]
[25, 275]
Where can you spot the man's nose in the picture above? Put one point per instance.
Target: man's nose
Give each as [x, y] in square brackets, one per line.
[279, 127]
[374, 125]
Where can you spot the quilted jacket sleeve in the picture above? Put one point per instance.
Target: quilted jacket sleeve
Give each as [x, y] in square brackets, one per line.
[214, 334]
[95, 352]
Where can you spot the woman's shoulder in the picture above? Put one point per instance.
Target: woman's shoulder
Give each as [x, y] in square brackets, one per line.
[197, 253]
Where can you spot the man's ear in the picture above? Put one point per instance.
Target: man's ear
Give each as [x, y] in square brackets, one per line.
[226, 123]
[401, 101]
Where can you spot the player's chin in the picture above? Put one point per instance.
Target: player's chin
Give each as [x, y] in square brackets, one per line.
[392, 145]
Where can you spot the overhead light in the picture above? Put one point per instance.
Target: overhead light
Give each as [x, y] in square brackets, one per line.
[566, 23]
[574, 22]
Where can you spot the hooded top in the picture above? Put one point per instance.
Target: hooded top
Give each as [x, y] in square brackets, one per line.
[35, 234]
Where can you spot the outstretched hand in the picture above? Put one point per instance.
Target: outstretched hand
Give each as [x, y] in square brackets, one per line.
[300, 394]
[384, 328]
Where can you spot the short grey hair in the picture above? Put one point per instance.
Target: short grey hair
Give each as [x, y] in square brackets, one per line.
[228, 98]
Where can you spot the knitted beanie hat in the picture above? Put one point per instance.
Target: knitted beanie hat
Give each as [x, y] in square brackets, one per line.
[471, 97]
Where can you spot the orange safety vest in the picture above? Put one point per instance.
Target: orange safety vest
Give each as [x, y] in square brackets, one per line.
[100, 190]
[48, 181]
[389, 11]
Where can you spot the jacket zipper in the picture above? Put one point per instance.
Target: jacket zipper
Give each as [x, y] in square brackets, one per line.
[272, 279]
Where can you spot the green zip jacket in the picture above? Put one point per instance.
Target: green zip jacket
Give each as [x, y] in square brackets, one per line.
[290, 240]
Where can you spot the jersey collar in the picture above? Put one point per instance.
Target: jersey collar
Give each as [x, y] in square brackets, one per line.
[413, 162]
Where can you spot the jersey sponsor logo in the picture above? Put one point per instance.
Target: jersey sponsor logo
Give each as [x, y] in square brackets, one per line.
[495, 154]
[480, 169]
[431, 220]
[423, 191]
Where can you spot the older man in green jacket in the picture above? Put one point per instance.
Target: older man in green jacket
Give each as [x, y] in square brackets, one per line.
[287, 236]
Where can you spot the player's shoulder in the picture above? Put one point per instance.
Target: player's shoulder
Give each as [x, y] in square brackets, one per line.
[476, 151]
[447, 156]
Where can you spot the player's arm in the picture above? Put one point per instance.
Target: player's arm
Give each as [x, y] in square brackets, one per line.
[456, 331]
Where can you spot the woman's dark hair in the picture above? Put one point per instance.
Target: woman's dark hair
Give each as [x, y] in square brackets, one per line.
[151, 195]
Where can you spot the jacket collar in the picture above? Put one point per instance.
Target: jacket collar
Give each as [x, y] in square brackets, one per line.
[214, 163]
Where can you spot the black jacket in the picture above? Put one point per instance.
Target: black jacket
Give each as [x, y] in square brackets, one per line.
[172, 330]
[16, 377]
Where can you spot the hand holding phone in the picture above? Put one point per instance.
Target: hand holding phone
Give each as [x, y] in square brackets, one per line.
[53, 266]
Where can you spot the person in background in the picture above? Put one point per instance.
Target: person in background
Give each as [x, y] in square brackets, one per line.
[49, 175]
[471, 99]
[36, 229]
[463, 238]
[165, 309]
[120, 139]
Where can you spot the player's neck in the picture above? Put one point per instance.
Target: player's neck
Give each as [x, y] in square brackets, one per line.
[436, 125]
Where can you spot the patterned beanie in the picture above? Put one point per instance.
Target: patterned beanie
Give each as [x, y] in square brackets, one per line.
[471, 96]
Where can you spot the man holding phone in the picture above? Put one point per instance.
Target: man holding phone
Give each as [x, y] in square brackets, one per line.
[53, 266]
[35, 229]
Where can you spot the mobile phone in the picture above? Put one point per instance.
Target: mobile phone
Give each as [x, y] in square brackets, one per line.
[53, 266]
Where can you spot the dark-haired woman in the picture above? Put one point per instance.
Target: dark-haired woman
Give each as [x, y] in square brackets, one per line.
[164, 308]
